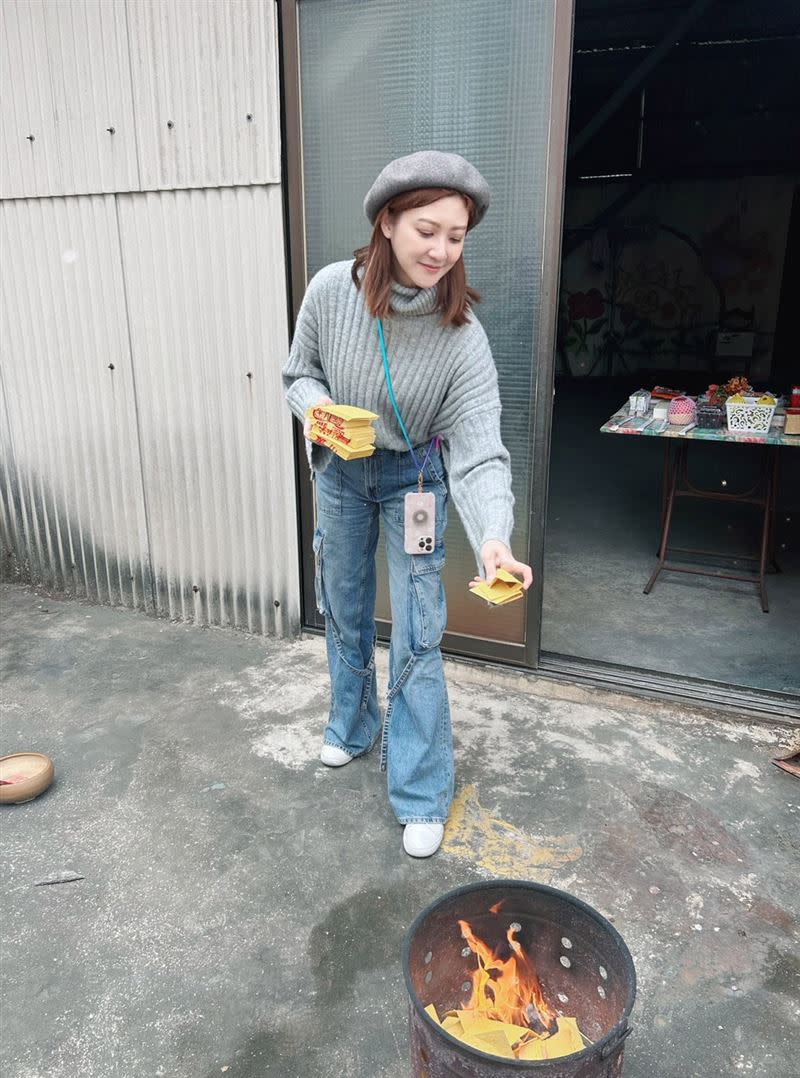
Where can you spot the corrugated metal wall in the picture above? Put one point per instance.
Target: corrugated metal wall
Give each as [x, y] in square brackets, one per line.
[205, 89]
[137, 95]
[146, 449]
[64, 80]
[76, 479]
[215, 438]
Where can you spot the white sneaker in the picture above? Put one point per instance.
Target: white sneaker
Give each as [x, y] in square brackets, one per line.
[334, 756]
[422, 839]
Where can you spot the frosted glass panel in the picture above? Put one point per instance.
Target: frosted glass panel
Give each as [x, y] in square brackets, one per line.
[381, 79]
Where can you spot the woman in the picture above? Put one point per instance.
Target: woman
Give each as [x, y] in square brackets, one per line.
[393, 332]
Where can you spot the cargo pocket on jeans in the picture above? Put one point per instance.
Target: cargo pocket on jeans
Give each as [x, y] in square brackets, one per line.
[428, 615]
[319, 583]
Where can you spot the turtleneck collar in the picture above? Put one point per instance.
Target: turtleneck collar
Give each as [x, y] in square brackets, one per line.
[413, 301]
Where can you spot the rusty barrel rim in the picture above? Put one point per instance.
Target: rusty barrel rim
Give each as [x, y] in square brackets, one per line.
[602, 1047]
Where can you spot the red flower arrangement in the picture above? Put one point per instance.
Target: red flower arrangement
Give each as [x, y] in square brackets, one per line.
[719, 394]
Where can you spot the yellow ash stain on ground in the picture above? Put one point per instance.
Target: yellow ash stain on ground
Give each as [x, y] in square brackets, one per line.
[499, 847]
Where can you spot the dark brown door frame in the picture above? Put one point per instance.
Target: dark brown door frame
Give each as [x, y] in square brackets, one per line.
[294, 231]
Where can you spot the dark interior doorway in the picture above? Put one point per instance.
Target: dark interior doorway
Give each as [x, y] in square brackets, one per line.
[679, 269]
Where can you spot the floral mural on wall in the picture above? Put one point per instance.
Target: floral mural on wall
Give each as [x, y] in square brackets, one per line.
[646, 294]
[586, 314]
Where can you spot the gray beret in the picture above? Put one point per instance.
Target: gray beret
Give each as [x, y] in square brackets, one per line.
[428, 168]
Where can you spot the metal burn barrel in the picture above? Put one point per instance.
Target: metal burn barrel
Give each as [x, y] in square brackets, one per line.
[583, 965]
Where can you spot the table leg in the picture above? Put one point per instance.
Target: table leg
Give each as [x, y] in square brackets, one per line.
[772, 560]
[671, 472]
[767, 529]
[665, 473]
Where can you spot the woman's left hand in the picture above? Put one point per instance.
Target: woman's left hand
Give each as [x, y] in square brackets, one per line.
[496, 555]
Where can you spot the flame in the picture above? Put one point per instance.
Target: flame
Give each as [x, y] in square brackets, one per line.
[508, 989]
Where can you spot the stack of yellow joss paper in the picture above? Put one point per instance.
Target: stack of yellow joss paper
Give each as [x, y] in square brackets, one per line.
[509, 1041]
[346, 430]
[505, 588]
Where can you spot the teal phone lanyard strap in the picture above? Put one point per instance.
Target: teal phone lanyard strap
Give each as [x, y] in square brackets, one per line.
[421, 470]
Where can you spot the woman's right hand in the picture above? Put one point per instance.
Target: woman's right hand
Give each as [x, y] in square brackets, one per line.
[307, 424]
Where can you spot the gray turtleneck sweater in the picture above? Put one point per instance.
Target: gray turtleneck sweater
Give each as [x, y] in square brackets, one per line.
[444, 381]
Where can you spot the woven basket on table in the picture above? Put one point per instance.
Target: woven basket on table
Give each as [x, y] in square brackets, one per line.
[749, 417]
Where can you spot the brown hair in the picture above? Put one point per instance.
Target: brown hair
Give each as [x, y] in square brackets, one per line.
[453, 293]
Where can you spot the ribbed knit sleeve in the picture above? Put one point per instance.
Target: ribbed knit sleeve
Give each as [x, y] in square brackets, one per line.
[475, 457]
[480, 480]
[303, 377]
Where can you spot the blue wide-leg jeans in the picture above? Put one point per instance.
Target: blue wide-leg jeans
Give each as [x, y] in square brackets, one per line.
[353, 497]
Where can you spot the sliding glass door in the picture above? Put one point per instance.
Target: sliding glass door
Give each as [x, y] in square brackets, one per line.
[369, 80]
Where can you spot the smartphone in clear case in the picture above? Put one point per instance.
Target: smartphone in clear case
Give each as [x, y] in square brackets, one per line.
[420, 523]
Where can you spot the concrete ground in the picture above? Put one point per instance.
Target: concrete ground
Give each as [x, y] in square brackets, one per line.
[241, 908]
